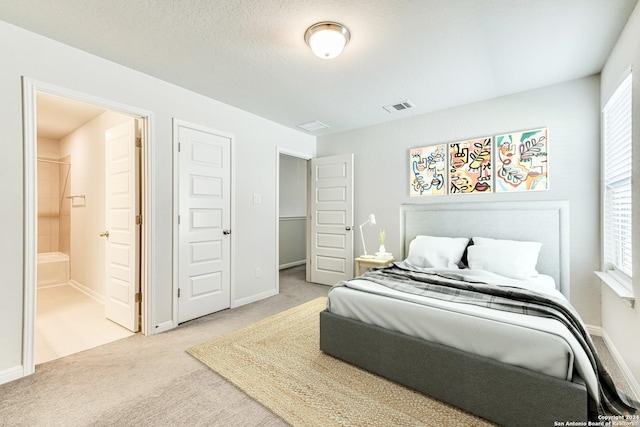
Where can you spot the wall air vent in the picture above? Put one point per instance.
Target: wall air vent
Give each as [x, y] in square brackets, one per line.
[400, 106]
[313, 126]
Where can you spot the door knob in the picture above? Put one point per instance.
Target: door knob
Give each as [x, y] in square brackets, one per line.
[105, 234]
[348, 228]
[226, 232]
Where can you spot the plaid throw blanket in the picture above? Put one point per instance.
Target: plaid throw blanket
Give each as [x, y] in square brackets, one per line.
[457, 288]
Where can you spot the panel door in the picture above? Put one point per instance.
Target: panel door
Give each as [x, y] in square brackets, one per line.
[122, 253]
[331, 219]
[204, 222]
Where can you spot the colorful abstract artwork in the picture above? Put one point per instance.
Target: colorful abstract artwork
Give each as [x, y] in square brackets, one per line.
[428, 170]
[521, 161]
[470, 166]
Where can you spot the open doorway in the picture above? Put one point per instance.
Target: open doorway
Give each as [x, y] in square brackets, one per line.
[322, 188]
[83, 155]
[292, 210]
[72, 232]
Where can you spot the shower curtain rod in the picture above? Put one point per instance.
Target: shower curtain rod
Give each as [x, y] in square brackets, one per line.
[53, 161]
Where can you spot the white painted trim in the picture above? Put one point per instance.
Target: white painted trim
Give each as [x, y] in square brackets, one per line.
[303, 156]
[30, 88]
[11, 374]
[175, 279]
[87, 291]
[292, 264]
[292, 153]
[254, 298]
[176, 123]
[232, 175]
[164, 326]
[617, 287]
[147, 257]
[55, 285]
[30, 227]
[626, 372]
[594, 330]
[277, 223]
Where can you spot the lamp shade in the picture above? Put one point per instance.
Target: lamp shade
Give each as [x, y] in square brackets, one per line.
[327, 39]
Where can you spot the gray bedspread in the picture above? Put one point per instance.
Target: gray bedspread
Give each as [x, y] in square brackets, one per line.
[458, 288]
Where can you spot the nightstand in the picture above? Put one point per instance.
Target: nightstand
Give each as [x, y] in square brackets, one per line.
[366, 263]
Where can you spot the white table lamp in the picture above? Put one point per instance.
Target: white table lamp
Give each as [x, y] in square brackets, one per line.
[371, 221]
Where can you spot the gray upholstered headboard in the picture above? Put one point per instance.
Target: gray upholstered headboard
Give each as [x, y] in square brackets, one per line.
[546, 222]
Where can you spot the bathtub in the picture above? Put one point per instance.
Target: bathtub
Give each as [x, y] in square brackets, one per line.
[53, 268]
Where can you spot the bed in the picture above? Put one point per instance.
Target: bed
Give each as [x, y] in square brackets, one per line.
[507, 369]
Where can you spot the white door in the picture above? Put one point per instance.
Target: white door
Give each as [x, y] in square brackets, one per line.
[331, 219]
[122, 232]
[204, 222]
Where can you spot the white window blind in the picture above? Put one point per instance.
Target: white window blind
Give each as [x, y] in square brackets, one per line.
[616, 122]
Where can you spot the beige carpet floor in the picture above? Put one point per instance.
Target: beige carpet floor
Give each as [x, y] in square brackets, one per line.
[150, 381]
[277, 361]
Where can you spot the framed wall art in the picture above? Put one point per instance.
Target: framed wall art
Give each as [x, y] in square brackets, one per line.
[470, 166]
[521, 161]
[428, 171]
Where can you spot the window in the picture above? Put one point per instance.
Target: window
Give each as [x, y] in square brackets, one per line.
[617, 171]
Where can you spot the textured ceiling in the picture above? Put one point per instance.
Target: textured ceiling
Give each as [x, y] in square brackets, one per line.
[251, 54]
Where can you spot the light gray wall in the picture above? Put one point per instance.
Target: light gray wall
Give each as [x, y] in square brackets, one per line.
[571, 113]
[254, 237]
[620, 322]
[293, 210]
[293, 186]
[293, 241]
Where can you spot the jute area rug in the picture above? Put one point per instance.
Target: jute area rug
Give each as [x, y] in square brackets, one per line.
[278, 362]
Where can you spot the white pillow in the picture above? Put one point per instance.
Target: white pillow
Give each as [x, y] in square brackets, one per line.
[436, 252]
[508, 258]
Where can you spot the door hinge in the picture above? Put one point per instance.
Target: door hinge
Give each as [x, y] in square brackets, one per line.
[179, 147]
[138, 297]
[178, 292]
[138, 142]
[178, 219]
[138, 219]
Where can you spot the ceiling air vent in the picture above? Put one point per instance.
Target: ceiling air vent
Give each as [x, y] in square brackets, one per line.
[313, 126]
[404, 105]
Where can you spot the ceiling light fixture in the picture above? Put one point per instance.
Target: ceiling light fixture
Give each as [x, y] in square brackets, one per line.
[327, 39]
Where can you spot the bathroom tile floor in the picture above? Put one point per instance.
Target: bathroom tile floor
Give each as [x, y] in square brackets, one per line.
[69, 321]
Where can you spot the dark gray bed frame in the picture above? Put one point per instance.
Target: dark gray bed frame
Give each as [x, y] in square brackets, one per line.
[501, 393]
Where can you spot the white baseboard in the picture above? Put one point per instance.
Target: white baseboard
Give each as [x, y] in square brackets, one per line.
[87, 291]
[11, 374]
[626, 372]
[254, 298]
[292, 264]
[163, 327]
[594, 330]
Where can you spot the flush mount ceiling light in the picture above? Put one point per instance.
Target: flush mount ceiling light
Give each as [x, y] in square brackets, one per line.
[327, 39]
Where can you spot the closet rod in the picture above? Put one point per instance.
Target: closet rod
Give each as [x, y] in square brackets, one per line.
[53, 161]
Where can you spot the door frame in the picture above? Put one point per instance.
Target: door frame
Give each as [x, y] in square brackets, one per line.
[30, 88]
[176, 123]
[303, 156]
